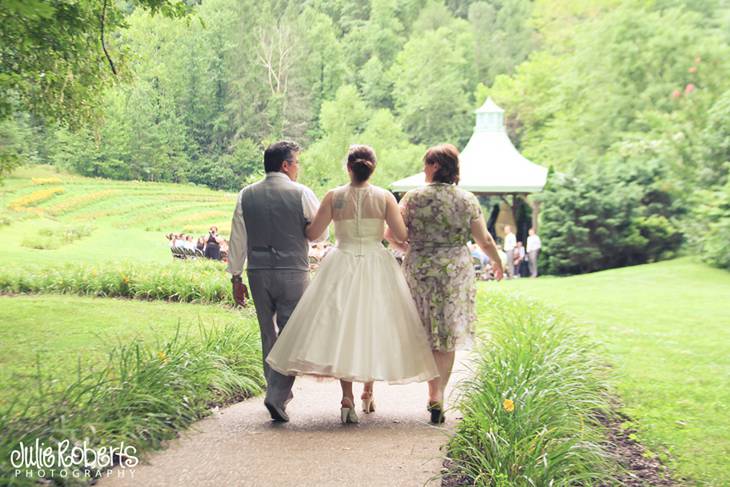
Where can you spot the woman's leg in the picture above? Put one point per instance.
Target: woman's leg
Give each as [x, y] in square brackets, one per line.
[368, 405]
[437, 386]
[348, 399]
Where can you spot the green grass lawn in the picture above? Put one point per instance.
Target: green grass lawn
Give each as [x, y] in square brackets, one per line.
[665, 328]
[58, 331]
[127, 219]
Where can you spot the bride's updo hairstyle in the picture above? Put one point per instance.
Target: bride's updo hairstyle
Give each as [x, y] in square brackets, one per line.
[361, 161]
[447, 157]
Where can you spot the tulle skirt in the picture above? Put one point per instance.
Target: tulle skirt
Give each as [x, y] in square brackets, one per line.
[356, 321]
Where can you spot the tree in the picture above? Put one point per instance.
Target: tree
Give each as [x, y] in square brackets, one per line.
[54, 55]
[342, 119]
[432, 78]
[502, 34]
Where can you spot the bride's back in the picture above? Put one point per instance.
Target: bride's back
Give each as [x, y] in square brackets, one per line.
[359, 213]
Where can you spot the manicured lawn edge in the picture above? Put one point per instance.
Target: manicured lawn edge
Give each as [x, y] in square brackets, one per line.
[143, 395]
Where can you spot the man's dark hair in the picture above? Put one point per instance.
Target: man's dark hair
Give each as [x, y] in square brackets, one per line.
[277, 153]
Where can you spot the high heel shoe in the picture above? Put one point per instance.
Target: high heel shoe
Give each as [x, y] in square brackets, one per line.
[347, 413]
[368, 403]
[437, 412]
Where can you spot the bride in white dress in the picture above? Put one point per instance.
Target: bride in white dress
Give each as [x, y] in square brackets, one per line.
[357, 320]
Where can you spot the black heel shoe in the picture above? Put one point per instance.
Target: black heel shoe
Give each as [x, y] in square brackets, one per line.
[437, 412]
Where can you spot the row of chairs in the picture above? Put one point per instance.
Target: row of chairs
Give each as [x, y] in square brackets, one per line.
[183, 253]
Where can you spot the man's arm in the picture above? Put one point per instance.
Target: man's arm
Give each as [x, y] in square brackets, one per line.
[237, 243]
[310, 205]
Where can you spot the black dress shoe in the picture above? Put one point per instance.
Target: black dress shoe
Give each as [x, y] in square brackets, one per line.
[437, 412]
[277, 413]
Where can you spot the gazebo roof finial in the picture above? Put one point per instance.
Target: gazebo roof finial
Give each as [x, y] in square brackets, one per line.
[490, 107]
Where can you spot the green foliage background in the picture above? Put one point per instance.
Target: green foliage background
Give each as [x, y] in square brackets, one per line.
[626, 100]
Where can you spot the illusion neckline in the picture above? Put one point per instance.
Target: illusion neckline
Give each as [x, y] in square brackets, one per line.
[360, 187]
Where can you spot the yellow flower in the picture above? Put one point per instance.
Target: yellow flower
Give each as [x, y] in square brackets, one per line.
[508, 405]
[125, 280]
[163, 356]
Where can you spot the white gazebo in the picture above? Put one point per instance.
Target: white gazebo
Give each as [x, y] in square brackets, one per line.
[490, 164]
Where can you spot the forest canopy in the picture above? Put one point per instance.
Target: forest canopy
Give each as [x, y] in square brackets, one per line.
[625, 100]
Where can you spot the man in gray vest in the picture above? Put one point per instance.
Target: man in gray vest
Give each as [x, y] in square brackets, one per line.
[268, 230]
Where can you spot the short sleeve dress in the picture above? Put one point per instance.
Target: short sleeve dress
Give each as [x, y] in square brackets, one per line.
[438, 265]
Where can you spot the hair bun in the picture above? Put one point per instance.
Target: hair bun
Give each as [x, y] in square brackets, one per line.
[364, 162]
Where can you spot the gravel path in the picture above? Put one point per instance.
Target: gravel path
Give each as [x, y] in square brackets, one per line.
[240, 446]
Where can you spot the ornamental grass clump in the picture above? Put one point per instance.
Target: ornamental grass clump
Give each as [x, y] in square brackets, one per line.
[531, 411]
[144, 394]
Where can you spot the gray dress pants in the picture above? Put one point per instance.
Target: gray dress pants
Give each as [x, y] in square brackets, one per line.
[275, 294]
[510, 263]
[532, 256]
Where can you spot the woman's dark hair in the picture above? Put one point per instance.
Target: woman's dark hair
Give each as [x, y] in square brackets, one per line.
[277, 153]
[361, 161]
[447, 157]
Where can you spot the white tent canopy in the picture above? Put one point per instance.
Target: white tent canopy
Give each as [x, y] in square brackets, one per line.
[489, 162]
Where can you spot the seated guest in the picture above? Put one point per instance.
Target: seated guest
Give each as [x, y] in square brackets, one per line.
[224, 249]
[503, 258]
[201, 244]
[477, 252]
[179, 241]
[326, 247]
[189, 244]
[316, 250]
[519, 256]
[212, 244]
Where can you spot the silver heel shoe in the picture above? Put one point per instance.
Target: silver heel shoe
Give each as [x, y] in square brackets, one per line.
[348, 414]
[368, 404]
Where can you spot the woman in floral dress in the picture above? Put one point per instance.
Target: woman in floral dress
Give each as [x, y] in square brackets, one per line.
[441, 218]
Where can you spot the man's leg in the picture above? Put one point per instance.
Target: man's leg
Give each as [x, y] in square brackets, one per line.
[532, 260]
[510, 263]
[289, 287]
[264, 304]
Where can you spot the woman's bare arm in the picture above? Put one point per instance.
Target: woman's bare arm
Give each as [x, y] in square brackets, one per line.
[322, 219]
[485, 241]
[396, 231]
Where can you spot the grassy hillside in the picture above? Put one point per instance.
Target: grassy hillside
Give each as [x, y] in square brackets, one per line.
[73, 218]
[665, 328]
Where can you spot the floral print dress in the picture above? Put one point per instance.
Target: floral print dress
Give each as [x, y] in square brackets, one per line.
[438, 265]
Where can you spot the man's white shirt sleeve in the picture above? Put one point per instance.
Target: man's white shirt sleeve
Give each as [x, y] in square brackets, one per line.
[310, 205]
[237, 244]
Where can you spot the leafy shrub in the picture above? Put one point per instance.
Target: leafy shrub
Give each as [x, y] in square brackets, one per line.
[712, 232]
[531, 412]
[605, 219]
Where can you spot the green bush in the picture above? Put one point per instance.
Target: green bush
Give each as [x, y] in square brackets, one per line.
[195, 281]
[144, 395]
[712, 233]
[531, 412]
[607, 218]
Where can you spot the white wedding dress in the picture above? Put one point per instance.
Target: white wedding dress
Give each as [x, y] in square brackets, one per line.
[356, 320]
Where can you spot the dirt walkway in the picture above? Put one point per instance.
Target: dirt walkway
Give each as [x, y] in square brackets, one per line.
[240, 446]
